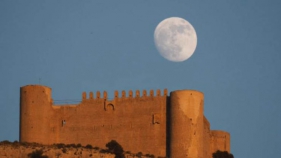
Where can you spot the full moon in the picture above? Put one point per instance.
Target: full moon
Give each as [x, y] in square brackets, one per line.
[175, 39]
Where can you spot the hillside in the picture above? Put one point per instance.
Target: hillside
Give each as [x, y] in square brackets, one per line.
[17, 150]
[35, 150]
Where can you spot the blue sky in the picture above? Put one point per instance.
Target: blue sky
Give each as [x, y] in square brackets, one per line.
[76, 46]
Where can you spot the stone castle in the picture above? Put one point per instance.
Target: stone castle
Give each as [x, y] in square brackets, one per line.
[164, 125]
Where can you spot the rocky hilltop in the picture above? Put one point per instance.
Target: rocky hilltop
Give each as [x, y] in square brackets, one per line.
[35, 150]
[17, 150]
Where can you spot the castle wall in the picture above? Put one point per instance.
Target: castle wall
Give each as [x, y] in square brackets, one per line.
[148, 123]
[135, 122]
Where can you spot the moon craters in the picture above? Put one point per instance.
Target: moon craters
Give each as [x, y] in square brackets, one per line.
[175, 39]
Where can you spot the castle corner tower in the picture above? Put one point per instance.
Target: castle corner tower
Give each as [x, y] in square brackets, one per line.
[186, 124]
[35, 105]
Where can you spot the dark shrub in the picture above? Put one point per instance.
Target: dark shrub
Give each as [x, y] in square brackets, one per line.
[60, 145]
[37, 154]
[96, 148]
[63, 150]
[89, 146]
[5, 142]
[25, 144]
[115, 148]
[67, 145]
[149, 155]
[222, 154]
[139, 154]
[71, 145]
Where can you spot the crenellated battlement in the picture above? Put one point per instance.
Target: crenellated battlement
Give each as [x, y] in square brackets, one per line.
[97, 95]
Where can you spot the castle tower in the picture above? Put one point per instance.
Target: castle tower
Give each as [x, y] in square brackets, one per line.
[186, 124]
[35, 107]
[220, 140]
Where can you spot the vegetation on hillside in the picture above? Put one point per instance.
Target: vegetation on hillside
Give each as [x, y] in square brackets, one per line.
[222, 154]
[113, 147]
[37, 154]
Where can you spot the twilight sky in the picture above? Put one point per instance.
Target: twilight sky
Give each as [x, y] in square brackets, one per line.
[76, 46]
